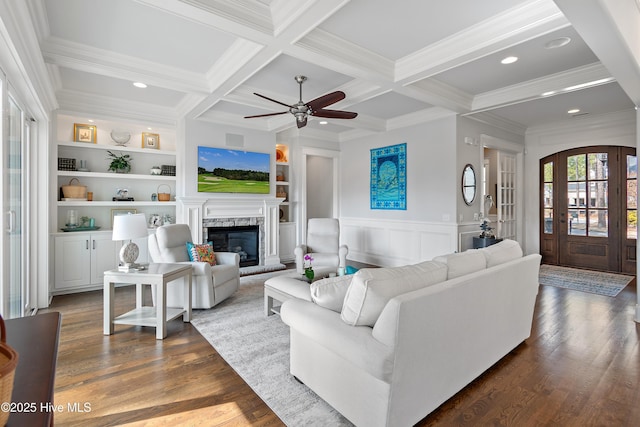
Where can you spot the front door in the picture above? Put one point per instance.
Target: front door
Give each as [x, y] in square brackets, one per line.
[588, 208]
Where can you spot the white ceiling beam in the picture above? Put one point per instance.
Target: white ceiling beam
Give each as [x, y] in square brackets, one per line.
[89, 59]
[116, 107]
[611, 29]
[511, 27]
[533, 89]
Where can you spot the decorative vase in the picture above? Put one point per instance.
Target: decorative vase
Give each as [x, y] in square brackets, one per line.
[309, 274]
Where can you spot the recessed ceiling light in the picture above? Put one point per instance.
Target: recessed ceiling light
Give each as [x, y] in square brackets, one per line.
[140, 85]
[551, 92]
[149, 128]
[573, 111]
[323, 122]
[556, 43]
[90, 120]
[509, 60]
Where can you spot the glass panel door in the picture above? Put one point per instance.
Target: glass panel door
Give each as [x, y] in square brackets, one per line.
[506, 203]
[12, 201]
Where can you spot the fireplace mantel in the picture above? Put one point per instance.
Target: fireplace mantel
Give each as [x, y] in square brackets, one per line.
[193, 210]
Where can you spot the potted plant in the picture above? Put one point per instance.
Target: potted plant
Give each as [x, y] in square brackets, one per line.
[120, 163]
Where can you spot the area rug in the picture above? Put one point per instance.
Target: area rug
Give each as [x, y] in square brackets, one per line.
[595, 282]
[257, 348]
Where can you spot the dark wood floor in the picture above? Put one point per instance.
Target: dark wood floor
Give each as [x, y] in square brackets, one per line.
[581, 367]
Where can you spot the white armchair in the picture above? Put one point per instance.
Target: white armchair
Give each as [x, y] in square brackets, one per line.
[210, 284]
[323, 244]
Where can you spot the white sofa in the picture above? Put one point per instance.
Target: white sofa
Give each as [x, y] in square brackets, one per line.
[210, 284]
[426, 331]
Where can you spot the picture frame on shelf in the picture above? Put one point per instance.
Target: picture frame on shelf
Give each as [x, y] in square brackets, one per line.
[150, 140]
[85, 133]
[121, 211]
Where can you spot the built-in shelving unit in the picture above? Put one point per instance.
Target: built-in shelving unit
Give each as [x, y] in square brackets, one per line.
[104, 184]
[81, 257]
[283, 190]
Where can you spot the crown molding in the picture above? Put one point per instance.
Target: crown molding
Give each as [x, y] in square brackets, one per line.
[116, 107]
[233, 59]
[38, 12]
[82, 57]
[503, 30]
[435, 92]
[497, 121]
[344, 56]
[286, 12]
[624, 120]
[419, 117]
[30, 73]
[533, 89]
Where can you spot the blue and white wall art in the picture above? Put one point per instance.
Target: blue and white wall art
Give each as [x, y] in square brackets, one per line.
[389, 177]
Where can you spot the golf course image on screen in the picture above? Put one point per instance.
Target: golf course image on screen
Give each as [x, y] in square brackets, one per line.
[221, 170]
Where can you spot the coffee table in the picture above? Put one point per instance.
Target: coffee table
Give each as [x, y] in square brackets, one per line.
[157, 275]
[292, 285]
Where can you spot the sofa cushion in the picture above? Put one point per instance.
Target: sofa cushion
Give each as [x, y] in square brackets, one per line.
[372, 288]
[463, 263]
[201, 253]
[507, 250]
[329, 293]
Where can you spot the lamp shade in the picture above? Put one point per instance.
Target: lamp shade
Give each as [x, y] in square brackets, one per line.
[128, 227]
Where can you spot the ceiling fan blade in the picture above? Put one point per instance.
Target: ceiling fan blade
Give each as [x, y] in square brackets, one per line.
[325, 100]
[266, 115]
[302, 123]
[335, 114]
[272, 100]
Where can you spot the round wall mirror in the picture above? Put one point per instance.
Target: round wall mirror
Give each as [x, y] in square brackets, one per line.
[468, 184]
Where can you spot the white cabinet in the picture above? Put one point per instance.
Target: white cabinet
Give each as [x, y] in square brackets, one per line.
[287, 241]
[82, 258]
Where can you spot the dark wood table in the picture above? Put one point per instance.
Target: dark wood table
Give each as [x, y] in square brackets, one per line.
[35, 338]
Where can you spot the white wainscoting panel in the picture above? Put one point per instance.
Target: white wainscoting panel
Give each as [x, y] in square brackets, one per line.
[390, 243]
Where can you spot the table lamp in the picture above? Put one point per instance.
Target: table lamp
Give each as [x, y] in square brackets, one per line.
[129, 227]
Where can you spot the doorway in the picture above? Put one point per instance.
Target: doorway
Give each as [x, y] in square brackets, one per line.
[588, 215]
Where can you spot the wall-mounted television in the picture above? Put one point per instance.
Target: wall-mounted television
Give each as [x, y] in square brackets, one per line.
[221, 170]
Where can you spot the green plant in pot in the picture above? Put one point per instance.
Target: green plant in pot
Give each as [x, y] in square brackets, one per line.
[120, 163]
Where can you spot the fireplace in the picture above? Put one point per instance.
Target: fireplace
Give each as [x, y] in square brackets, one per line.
[243, 240]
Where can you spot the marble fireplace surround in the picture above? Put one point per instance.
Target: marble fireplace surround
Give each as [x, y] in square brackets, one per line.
[200, 212]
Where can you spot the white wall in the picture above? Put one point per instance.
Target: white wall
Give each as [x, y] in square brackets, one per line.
[319, 187]
[610, 129]
[428, 226]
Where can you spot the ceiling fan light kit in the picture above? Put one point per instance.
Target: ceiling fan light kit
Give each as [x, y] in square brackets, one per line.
[301, 110]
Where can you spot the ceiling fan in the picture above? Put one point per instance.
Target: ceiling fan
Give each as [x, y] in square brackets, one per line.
[302, 110]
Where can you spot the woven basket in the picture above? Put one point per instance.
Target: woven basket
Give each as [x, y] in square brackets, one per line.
[8, 364]
[74, 191]
[164, 197]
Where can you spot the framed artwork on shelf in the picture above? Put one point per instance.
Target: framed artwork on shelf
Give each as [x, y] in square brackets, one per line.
[121, 211]
[84, 133]
[150, 140]
[389, 177]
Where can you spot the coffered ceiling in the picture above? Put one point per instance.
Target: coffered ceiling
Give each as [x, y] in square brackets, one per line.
[399, 62]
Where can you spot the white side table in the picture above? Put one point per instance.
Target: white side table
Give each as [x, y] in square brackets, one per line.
[157, 275]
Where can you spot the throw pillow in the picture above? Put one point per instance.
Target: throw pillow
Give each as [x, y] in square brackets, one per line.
[463, 263]
[372, 288]
[201, 253]
[329, 293]
[507, 250]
